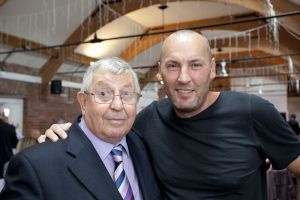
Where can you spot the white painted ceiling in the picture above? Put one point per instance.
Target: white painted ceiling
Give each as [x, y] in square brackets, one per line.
[183, 11]
[48, 22]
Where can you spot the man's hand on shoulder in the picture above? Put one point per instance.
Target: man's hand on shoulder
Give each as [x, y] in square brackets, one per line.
[54, 132]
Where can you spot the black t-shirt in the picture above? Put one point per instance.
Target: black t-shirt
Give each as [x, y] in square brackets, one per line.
[219, 153]
[294, 126]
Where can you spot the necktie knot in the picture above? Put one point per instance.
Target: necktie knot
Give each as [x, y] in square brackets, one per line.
[117, 153]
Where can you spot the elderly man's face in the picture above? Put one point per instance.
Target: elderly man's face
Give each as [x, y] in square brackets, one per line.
[110, 121]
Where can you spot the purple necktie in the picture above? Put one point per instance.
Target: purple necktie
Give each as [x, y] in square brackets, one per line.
[120, 177]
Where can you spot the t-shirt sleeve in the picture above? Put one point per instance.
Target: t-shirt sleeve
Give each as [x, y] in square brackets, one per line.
[279, 143]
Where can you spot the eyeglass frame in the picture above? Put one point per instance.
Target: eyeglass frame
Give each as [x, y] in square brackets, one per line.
[138, 95]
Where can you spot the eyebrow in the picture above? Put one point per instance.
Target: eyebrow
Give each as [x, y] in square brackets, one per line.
[106, 84]
[197, 60]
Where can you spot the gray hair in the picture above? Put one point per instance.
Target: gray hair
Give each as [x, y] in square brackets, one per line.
[114, 65]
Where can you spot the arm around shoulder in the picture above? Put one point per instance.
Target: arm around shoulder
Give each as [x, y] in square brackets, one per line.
[55, 132]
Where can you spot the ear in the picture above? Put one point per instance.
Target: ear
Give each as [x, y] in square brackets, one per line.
[212, 69]
[159, 66]
[82, 100]
[158, 75]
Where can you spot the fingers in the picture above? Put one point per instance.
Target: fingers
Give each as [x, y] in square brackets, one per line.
[49, 133]
[57, 130]
[66, 126]
[54, 132]
[41, 138]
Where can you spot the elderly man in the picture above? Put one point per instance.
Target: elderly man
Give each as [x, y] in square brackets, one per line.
[102, 159]
[210, 145]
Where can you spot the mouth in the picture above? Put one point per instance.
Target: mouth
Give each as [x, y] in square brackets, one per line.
[184, 91]
[116, 121]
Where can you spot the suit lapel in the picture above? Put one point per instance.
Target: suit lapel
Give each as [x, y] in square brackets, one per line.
[88, 168]
[137, 160]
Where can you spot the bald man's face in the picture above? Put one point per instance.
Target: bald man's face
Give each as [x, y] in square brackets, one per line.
[186, 69]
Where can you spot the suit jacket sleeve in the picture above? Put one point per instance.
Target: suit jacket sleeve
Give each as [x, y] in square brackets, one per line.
[21, 181]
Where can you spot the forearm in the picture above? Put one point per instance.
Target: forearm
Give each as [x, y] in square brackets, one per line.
[294, 167]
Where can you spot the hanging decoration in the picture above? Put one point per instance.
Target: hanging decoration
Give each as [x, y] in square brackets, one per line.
[273, 23]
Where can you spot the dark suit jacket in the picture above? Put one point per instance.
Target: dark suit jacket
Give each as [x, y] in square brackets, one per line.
[8, 141]
[71, 169]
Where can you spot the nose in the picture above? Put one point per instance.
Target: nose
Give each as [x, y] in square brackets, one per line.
[184, 76]
[116, 103]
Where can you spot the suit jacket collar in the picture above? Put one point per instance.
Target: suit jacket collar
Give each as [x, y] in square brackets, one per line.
[137, 156]
[87, 166]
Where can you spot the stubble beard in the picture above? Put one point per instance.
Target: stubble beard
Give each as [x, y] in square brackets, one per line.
[196, 105]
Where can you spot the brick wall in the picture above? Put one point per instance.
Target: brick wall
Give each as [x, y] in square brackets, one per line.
[40, 113]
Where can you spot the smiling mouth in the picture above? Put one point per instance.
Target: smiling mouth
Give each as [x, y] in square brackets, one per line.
[184, 90]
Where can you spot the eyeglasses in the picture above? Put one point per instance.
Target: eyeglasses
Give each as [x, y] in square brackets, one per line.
[106, 97]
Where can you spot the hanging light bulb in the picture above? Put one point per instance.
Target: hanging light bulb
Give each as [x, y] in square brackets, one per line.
[223, 72]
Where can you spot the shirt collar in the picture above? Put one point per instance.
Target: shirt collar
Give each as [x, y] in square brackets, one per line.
[102, 147]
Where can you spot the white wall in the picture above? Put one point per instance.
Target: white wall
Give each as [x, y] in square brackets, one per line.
[15, 105]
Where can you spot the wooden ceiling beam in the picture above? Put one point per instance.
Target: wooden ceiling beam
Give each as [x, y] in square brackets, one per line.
[2, 2]
[279, 6]
[23, 44]
[287, 44]
[251, 54]
[145, 42]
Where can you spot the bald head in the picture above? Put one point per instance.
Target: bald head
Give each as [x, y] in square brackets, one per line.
[182, 36]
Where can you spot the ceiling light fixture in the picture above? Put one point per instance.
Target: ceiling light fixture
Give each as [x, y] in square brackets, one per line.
[162, 7]
[95, 39]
